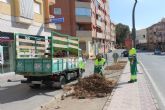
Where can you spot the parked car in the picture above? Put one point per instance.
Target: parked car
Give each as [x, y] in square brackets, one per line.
[125, 53]
[109, 51]
[157, 52]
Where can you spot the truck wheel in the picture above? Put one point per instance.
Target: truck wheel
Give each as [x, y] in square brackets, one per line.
[35, 86]
[80, 73]
[68, 77]
[62, 81]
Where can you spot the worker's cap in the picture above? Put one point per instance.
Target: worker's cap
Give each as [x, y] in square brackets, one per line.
[132, 51]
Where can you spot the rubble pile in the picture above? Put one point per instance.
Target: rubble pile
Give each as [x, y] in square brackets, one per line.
[93, 86]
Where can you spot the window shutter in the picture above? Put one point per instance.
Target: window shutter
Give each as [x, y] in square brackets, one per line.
[27, 9]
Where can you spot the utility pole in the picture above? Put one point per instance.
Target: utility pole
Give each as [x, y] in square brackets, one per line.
[133, 24]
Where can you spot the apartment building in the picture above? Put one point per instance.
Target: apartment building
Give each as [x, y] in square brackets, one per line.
[141, 39]
[65, 9]
[113, 36]
[87, 19]
[156, 36]
[21, 16]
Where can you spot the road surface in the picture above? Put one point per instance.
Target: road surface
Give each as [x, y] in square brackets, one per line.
[16, 96]
[155, 65]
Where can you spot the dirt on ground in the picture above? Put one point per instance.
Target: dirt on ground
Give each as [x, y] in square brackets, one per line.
[93, 86]
[117, 66]
[122, 62]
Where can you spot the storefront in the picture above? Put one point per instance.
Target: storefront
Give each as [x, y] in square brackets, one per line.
[7, 51]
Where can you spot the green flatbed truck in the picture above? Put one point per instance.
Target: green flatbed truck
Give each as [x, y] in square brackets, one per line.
[50, 61]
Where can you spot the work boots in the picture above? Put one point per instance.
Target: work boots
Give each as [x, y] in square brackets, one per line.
[132, 81]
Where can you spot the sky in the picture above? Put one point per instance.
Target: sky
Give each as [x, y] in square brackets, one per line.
[147, 12]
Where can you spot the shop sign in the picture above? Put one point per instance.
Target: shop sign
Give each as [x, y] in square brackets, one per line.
[1, 55]
[4, 36]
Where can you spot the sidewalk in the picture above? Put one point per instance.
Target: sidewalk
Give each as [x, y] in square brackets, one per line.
[10, 76]
[134, 96]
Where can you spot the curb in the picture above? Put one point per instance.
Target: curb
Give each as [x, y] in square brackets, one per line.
[154, 87]
[107, 103]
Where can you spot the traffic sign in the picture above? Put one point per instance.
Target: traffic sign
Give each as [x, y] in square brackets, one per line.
[57, 20]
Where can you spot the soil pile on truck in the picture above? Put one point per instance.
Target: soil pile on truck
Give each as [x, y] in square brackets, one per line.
[92, 86]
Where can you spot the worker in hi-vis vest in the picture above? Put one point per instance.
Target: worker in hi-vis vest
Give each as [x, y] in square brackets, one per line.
[133, 65]
[99, 64]
[81, 66]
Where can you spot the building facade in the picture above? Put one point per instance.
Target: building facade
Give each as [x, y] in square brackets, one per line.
[87, 19]
[141, 39]
[65, 9]
[113, 36]
[21, 16]
[156, 36]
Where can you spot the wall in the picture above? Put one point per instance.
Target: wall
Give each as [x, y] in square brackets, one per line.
[141, 36]
[8, 23]
[68, 12]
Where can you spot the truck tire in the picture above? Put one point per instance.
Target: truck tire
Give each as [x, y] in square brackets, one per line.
[62, 81]
[35, 86]
[68, 77]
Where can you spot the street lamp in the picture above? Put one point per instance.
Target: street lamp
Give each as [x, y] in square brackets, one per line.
[133, 25]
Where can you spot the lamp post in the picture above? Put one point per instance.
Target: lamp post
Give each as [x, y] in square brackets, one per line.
[133, 25]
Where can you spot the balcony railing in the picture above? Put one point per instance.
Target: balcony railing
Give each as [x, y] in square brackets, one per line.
[99, 12]
[84, 0]
[83, 4]
[83, 19]
[100, 35]
[99, 23]
[84, 33]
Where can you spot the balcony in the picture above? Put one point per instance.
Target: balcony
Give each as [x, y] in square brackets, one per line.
[113, 39]
[51, 26]
[99, 1]
[84, 0]
[108, 37]
[99, 23]
[100, 35]
[83, 4]
[84, 35]
[99, 12]
[24, 20]
[107, 18]
[84, 19]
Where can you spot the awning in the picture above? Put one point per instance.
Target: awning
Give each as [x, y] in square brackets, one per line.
[6, 37]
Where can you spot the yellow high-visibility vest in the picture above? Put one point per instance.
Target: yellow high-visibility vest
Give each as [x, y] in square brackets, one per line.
[100, 63]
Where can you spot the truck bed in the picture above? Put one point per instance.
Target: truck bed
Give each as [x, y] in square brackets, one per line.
[42, 67]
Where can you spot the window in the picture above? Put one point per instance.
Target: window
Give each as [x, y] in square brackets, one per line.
[57, 11]
[58, 26]
[96, 4]
[37, 7]
[83, 12]
[6, 1]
